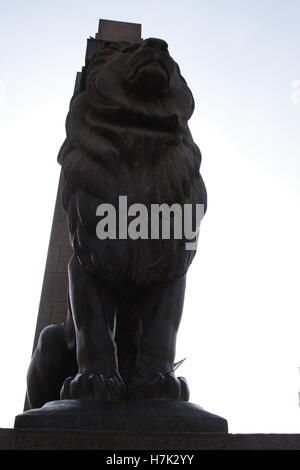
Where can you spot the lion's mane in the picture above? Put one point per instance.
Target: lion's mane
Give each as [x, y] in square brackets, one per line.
[128, 136]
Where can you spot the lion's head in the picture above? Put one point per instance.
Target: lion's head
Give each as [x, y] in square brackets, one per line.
[127, 134]
[128, 121]
[140, 85]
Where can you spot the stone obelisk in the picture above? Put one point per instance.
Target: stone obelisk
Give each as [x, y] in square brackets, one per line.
[53, 301]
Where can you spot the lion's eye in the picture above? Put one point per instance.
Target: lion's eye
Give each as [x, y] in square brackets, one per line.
[130, 49]
[108, 51]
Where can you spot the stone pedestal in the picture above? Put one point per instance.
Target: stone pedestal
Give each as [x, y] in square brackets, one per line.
[50, 439]
[164, 416]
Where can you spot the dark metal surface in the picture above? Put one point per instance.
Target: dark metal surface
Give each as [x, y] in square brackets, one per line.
[127, 134]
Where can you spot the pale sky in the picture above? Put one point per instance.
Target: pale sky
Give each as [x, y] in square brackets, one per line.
[241, 323]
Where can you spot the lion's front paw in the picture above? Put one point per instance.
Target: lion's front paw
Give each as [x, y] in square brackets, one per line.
[158, 385]
[93, 385]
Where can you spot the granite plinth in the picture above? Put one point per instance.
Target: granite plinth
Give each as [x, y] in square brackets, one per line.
[50, 439]
[122, 416]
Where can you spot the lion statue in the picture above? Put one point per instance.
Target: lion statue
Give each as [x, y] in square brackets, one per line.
[127, 134]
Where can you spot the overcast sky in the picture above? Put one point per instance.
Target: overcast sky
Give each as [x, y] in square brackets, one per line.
[241, 58]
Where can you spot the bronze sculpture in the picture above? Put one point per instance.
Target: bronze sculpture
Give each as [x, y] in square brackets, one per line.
[127, 134]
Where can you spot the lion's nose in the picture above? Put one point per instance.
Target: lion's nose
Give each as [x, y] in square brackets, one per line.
[157, 44]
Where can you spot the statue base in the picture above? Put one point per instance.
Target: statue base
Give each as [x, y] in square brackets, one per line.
[130, 416]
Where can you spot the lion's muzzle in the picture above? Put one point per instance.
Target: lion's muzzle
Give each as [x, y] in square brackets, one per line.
[150, 68]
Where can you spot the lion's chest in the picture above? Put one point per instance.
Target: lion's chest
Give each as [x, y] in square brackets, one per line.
[111, 220]
[118, 243]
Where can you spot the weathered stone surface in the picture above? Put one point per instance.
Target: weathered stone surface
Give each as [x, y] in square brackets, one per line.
[52, 259]
[55, 287]
[130, 416]
[53, 303]
[43, 319]
[60, 234]
[65, 253]
[119, 31]
[43, 439]
[58, 312]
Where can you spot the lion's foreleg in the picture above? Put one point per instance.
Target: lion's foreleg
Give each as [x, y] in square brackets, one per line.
[154, 377]
[93, 306]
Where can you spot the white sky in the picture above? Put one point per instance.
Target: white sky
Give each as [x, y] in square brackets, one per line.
[241, 322]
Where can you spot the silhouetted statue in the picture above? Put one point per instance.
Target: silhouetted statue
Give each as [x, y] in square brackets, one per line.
[127, 134]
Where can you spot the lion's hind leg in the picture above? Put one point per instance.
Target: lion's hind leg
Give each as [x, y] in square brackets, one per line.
[53, 360]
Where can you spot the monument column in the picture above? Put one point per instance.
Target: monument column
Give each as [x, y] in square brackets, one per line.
[53, 302]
